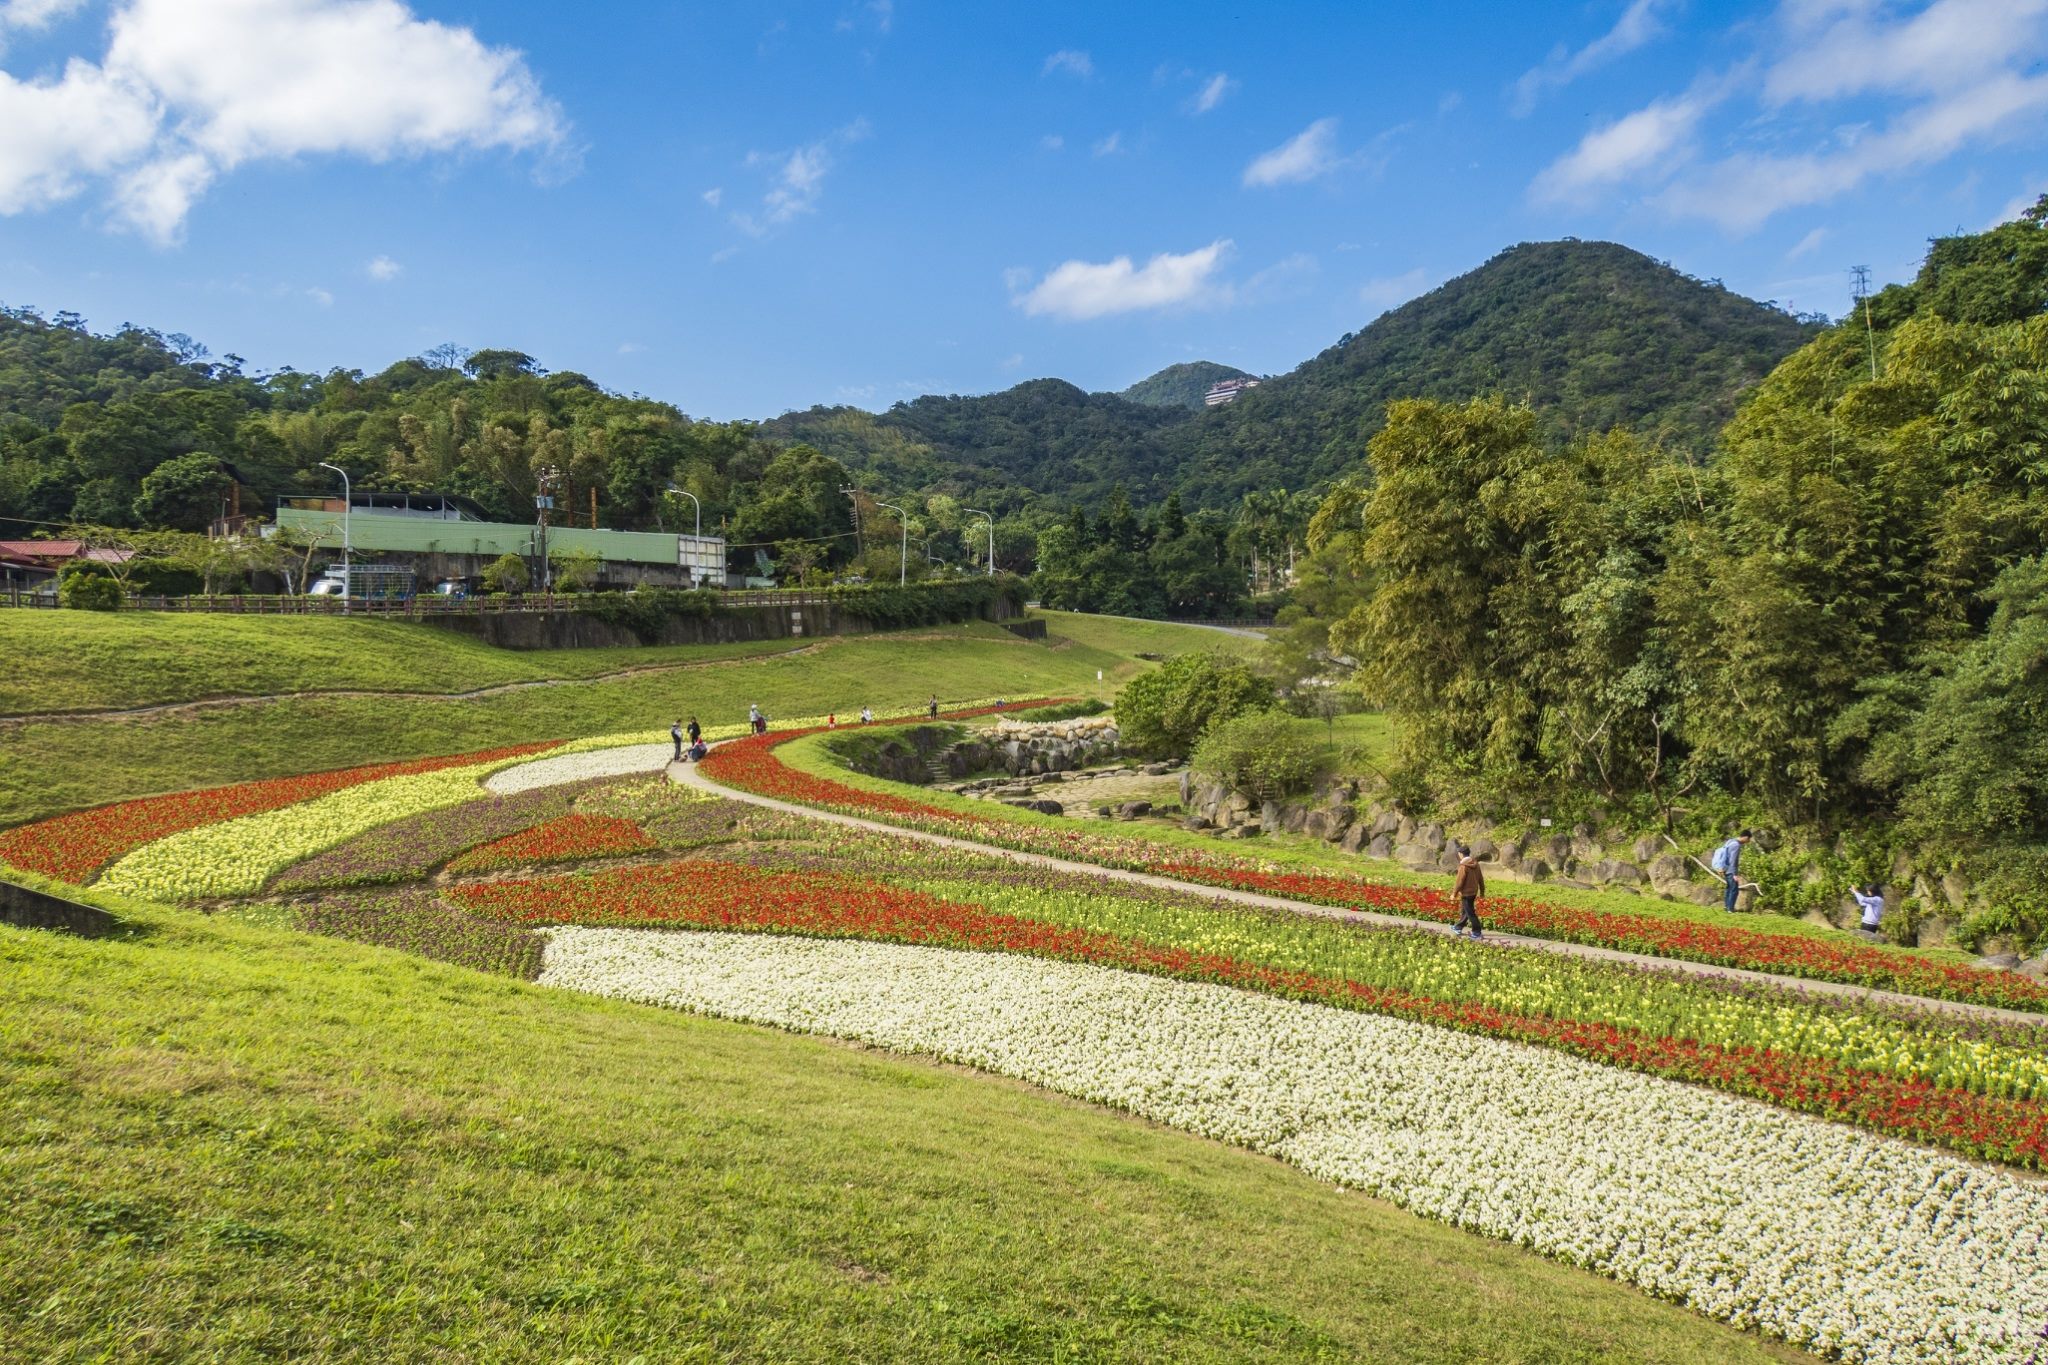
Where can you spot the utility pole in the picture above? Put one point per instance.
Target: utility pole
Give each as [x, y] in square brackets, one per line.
[859, 545]
[903, 561]
[1862, 274]
[991, 536]
[541, 503]
[348, 574]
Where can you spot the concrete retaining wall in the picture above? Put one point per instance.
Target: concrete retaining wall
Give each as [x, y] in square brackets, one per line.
[29, 909]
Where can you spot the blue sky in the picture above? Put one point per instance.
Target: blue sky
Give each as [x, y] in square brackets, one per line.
[745, 208]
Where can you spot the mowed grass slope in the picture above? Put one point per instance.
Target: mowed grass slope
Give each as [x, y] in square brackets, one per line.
[224, 1142]
[58, 765]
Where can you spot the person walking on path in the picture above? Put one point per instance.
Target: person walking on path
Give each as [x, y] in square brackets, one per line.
[1469, 887]
[675, 732]
[932, 709]
[1728, 862]
[1871, 901]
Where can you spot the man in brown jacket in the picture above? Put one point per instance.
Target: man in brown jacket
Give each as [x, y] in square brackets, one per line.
[1470, 886]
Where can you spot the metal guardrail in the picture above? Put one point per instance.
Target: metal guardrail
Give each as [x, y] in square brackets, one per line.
[436, 605]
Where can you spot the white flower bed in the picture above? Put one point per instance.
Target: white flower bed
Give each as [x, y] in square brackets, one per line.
[1836, 1240]
[575, 767]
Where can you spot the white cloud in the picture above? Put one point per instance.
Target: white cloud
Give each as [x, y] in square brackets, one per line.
[1079, 290]
[1741, 191]
[884, 12]
[714, 196]
[1648, 142]
[798, 179]
[191, 89]
[383, 269]
[1308, 154]
[1014, 361]
[724, 254]
[1638, 24]
[1110, 145]
[1394, 290]
[1809, 242]
[1838, 49]
[1942, 79]
[630, 348]
[320, 296]
[1052, 142]
[1069, 61]
[1213, 92]
[35, 14]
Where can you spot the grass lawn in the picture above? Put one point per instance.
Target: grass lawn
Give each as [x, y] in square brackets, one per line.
[1125, 635]
[88, 661]
[1298, 851]
[53, 766]
[220, 1141]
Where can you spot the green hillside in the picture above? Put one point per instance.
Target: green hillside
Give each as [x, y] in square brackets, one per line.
[1591, 334]
[1183, 385]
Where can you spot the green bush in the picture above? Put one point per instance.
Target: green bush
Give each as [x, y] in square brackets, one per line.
[88, 591]
[1264, 754]
[1163, 713]
[506, 573]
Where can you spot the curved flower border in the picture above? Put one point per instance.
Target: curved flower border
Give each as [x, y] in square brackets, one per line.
[1838, 1241]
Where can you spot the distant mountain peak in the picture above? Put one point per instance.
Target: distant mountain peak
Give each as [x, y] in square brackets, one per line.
[1182, 385]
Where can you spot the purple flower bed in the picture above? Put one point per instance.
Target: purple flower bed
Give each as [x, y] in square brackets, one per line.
[411, 849]
[418, 922]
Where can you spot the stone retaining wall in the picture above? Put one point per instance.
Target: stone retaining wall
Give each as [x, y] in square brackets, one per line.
[30, 909]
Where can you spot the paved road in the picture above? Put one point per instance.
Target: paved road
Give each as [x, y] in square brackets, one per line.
[688, 774]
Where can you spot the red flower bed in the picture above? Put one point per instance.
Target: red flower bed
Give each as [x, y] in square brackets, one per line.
[568, 839]
[73, 847]
[734, 897]
[749, 764]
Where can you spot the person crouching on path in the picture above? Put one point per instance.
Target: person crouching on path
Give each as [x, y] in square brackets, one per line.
[675, 732]
[696, 734]
[1469, 887]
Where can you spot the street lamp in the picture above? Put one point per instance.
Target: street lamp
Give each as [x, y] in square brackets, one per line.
[903, 556]
[348, 583]
[991, 535]
[699, 506]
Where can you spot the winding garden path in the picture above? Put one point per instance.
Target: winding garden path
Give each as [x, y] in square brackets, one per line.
[688, 775]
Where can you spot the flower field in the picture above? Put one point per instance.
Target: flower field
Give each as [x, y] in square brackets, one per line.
[411, 849]
[73, 847]
[1846, 1243]
[1923, 1078]
[572, 838]
[417, 923]
[751, 765]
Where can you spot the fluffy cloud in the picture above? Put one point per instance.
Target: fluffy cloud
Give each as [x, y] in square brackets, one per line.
[1308, 154]
[1644, 141]
[1069, 61]
[1079, 290]
[33, 14]
[797, 179]
[1929, 84]
[383, 269]
[1639, 24]
[191, 89]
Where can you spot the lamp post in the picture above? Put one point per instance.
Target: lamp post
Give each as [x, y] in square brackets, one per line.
[991, 536]
[903, 557]
[348, 577]
[698, 505]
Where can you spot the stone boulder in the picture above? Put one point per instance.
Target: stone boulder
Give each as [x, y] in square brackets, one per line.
[1132, 810]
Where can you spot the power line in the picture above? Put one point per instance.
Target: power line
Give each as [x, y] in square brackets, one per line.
[1862, 296]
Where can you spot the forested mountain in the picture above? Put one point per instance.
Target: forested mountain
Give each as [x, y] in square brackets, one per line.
[1183, 385]
[1590, 334]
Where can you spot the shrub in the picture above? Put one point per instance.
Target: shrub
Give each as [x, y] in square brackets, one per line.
[1164, 712]
[88, 591]
[506, 573]
[1264, 754]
